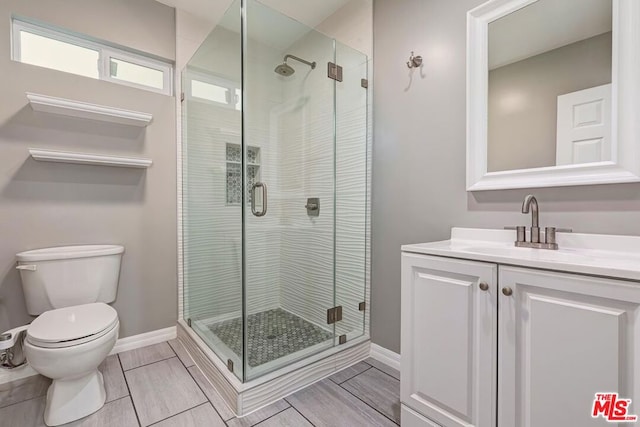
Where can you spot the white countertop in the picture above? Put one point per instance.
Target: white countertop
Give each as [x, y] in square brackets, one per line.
[594, 254]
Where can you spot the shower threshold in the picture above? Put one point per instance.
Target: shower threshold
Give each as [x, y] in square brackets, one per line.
[322, 358]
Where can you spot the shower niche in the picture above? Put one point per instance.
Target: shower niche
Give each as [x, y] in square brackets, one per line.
[273, 298]
[234, 173]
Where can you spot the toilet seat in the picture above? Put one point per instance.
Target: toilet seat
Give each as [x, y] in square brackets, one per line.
[71, 326]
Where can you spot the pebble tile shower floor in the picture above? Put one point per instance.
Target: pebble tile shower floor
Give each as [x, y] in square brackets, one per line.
[160, 385]
[272, 334]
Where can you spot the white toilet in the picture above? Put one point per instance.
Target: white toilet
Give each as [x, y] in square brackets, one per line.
[68, 288]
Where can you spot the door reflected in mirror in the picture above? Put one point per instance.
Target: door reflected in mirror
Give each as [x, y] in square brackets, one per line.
[549, 88]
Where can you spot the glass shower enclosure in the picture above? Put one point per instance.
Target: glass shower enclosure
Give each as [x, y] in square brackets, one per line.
[275, 184]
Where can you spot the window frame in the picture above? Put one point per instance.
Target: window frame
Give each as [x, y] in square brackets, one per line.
[214, 80]
[105, 54]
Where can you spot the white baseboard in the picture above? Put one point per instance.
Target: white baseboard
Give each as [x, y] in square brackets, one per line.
[123, 344]
[143, 340]
[385, 356]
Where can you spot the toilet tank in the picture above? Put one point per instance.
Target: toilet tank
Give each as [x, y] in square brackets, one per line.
[69, 275]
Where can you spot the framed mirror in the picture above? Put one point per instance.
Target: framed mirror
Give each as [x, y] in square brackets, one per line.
[553, 93]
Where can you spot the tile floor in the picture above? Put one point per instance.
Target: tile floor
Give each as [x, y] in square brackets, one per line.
[160, 385]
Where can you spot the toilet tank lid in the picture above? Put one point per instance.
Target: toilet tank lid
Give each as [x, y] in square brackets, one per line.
[72, 323]
[69, 252]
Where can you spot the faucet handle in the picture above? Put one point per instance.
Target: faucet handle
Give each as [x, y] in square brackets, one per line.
[521, 232]
[549, 234]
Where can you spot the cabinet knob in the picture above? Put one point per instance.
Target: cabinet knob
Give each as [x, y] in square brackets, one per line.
[507, 291]
[483, 286]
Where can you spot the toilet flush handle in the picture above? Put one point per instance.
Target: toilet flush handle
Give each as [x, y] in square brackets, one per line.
[30, 267]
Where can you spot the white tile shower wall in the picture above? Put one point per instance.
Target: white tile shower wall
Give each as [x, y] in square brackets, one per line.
[306, 135]
[308, 246]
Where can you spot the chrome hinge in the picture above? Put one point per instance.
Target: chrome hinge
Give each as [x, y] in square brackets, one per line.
[334, 71]
[362, 306]
[364, 83]
[189, 322]
[334, 315]
[230, 365]
[342, 339]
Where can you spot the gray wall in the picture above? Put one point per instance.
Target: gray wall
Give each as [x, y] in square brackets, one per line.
[419, 155]
[47, 204]
[523, 100]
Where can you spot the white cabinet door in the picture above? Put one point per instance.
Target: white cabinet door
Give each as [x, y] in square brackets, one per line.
[449, 340]
[563, 338]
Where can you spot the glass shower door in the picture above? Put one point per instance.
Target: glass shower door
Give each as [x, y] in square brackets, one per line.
[212, 191]
[289, 209]
[351, 191]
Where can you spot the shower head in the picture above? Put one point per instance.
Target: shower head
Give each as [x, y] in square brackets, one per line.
[286, 70]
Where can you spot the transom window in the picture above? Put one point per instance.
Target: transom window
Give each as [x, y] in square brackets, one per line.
[212, 89]
[60, 50]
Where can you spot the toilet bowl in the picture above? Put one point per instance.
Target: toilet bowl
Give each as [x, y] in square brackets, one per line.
[67, 345]
[68, 288]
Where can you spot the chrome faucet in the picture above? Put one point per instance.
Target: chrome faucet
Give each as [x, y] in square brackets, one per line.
[531, 204]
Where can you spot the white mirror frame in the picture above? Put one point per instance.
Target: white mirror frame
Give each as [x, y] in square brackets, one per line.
[625, 157]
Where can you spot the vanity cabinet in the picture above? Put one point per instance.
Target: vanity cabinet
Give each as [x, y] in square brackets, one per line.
[449, 340]
[485, 344]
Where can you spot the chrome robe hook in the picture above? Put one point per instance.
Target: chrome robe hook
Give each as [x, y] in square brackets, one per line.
[414, 61]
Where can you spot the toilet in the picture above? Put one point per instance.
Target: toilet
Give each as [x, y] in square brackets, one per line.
[68, 288]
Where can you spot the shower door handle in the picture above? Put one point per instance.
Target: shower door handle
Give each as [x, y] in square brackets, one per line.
[263, 186]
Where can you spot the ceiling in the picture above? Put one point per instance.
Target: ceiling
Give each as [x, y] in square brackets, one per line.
[546, 25]
[269, 26]
[308, 12]
[205, 9]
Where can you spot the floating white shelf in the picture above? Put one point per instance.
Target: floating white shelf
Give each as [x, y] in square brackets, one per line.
[88, 159]
[84, 110]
